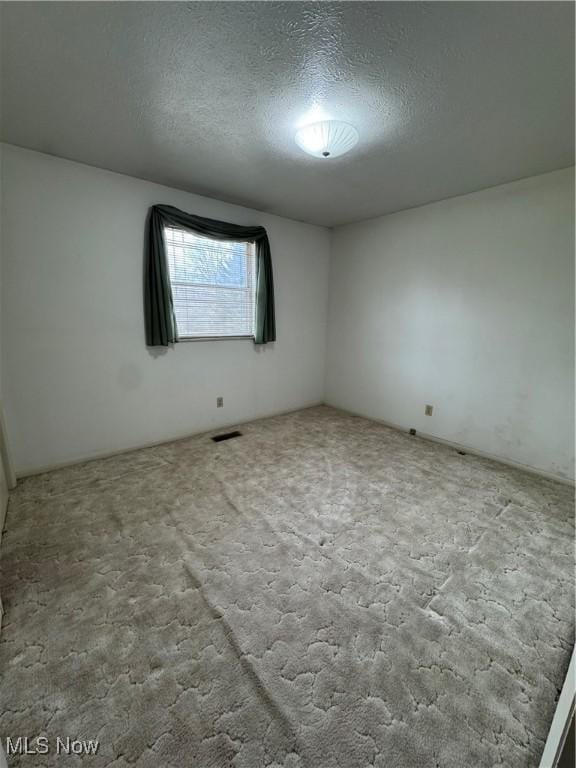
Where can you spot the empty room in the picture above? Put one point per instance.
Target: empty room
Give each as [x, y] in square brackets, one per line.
[287, 384]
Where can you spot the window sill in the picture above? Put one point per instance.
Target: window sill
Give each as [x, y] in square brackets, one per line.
[216, 338]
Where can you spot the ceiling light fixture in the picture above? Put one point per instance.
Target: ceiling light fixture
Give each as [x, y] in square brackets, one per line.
[327, 138]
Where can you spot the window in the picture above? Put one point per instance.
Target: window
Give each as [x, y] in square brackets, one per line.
[213, 285]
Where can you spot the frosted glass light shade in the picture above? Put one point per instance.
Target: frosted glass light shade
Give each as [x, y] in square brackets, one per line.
[328, 138]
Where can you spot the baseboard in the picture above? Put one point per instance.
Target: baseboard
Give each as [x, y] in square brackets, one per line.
[176, 438]
[462, 447]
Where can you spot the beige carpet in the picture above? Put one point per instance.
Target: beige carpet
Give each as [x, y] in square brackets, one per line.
[321, 592]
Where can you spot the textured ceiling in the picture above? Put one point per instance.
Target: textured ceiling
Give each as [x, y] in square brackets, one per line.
[448, 97]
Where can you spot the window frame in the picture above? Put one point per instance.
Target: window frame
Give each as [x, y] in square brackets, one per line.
[251, 266]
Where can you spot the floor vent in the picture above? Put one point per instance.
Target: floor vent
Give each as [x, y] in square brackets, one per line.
[226, 436]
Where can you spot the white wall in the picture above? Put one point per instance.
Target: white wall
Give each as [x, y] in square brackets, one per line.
[466, 304]
[78, 378]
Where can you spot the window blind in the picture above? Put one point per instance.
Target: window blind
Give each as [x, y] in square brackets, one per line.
[213, 285]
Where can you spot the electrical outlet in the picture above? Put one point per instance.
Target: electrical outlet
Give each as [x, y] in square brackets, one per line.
[428, 410]
[219, 402]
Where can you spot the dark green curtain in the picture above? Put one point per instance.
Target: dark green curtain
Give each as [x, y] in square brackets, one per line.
[158, 308]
